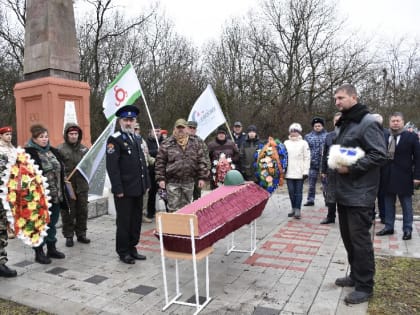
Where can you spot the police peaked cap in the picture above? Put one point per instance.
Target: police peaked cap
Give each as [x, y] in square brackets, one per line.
[128, 111]
[317, 120]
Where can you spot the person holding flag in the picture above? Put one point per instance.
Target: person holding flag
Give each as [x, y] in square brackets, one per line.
[127, 171]
[75, 220]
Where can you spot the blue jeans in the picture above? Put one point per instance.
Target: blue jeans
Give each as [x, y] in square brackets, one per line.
[407, 210]
[295, 188]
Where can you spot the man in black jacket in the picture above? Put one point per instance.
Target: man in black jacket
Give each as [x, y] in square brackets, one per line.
[328, 188]
[127, 171]
[356, 189]
[400, 174]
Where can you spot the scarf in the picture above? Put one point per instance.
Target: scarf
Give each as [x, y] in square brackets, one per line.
[354, 114]
[295, 138]
[182, 140]
[393, 142]
[32, 144]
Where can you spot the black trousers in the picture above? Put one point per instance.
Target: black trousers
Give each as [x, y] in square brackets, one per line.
[129, 216]
[331, 210]
[151, 201]
[355, 223]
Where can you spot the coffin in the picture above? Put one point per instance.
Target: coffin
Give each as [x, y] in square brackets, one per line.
[220, 212]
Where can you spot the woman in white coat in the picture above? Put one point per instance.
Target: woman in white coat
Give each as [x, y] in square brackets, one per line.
[299, 157]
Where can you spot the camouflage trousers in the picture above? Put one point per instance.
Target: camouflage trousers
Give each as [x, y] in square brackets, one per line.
[75, 219]
[3, 235]
[179, 195]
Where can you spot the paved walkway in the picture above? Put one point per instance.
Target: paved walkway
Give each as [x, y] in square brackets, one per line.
[292, 271]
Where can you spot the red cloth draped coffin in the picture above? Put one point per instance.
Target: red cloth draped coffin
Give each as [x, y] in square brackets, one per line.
[219, 213]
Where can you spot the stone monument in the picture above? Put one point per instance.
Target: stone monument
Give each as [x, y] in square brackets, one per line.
[51, 72]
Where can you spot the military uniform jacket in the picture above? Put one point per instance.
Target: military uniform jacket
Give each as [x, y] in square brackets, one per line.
[175, 165]
[72, 154]
[126, 165]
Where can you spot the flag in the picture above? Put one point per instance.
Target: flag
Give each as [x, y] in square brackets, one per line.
[207, 113]
[124, 90]
[90, 162]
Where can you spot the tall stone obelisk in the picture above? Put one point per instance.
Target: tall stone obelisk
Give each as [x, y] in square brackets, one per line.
[51, 83]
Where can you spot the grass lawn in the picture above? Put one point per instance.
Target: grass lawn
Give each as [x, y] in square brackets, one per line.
[12, 308]
[397, 286]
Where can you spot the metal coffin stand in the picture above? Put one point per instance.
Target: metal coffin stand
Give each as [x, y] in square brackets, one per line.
[186, 225]
[231, 247]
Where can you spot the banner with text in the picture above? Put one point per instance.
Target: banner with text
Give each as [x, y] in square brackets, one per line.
[207, 113]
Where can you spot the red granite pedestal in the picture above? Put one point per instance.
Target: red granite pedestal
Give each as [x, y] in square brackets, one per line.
[42, 101]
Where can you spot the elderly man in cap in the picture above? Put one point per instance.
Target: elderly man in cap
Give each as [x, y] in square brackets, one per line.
[239, 136]
[316, 140]
[7, 155]
[127, 170]
[192, 130]
[179, 162]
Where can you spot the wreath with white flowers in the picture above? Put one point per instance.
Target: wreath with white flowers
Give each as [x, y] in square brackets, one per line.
[271, 164]
[26, 198]
[220, 168]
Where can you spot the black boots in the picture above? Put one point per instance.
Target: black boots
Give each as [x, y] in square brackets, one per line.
[40, 256]
[7, 272]
[69, 242]
[53, 252]
[83, 239]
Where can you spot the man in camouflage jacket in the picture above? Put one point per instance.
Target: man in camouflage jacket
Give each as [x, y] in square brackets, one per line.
[75, 220]
[179, 162]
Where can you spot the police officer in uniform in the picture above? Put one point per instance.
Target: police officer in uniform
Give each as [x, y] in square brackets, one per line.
[127, 171]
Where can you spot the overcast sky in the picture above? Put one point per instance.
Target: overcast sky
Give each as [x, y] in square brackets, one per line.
[202, 20]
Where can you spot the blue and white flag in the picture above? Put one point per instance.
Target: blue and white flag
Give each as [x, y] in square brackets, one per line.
[207, 113]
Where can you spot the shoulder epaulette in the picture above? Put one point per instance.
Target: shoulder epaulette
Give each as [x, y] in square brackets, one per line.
[116, 134]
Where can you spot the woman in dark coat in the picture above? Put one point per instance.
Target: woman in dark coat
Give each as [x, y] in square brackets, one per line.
[50, 163]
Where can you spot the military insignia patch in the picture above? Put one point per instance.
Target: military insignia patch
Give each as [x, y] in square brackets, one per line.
[110, 148]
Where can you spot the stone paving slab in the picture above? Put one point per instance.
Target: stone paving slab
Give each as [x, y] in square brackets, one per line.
[292, 271]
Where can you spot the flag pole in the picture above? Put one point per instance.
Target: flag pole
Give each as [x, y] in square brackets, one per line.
[72, 173]
[113, 121]
[230, 133]
[148, 114]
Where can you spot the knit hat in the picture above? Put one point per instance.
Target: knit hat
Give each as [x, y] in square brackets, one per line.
[295, 127]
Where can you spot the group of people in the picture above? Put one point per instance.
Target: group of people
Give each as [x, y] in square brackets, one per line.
[180, 163]
[389, 167]
[57, 166]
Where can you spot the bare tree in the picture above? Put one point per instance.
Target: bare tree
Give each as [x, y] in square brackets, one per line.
[286, 61]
